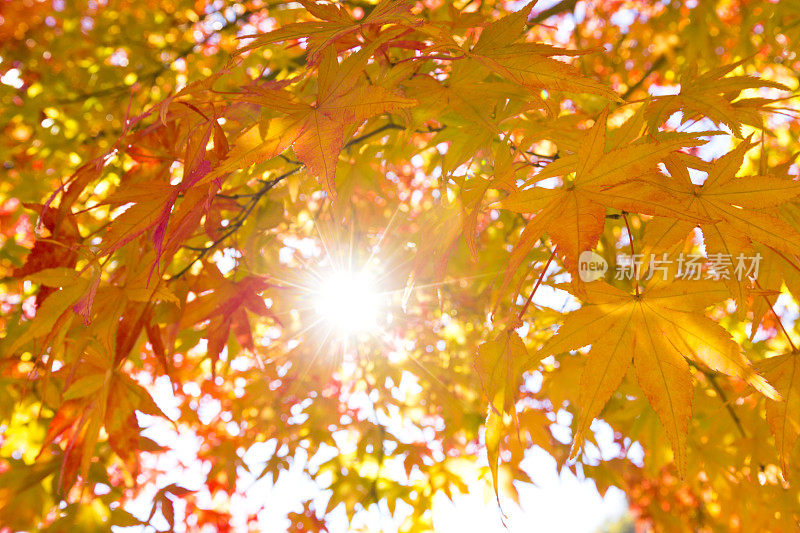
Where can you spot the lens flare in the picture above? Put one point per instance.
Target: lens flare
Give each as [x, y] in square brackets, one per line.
[349, 302]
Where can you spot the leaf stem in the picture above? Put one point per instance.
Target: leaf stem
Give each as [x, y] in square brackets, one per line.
[791, 264]
[778, 318]
[536, 286]
[633, 254]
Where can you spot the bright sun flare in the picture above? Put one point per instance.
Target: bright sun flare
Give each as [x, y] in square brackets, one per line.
[349, 302]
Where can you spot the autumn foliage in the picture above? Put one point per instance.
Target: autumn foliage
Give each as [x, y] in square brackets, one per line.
[181, 178]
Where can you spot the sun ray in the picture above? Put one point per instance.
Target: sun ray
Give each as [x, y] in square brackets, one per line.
[377, 246]
[293, 285]
[304, 371]
[444, 283]
[308, 328]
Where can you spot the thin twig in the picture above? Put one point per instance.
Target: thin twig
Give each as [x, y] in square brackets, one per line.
[254, 198]
[536, 286]
[724, 399]
[238, 221]
[657, 64]
[385, 127]
[381, 129]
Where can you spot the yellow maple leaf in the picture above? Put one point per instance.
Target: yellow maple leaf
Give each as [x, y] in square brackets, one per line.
[729, 210]
[783, 416]
[574, 214]
[711, 95]
[316, 130]
[500, 365]
[531, 65]
[335, 26]
[657, 329]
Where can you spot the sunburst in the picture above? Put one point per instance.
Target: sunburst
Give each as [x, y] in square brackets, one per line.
[349, 301]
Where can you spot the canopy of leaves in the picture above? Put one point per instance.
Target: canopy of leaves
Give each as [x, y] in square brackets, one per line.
[181, 178]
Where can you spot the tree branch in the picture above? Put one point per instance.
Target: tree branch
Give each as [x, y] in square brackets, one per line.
[237, 223]
[724, 399]
[255, 197]
[565, 6]
[657, 64]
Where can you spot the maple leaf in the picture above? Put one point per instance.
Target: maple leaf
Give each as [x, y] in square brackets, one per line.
[658, 329]
[783, 415]
[152, 206]
[530, 64]
[342, 99]
[55, 312]
[307, 520]
[500, 364]
[57, 248]
[316, 130]
[574, 214]
[733, 209]
[336, 26]
[465, 97]
[96, 397]
[225, 308]
[711, 94]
